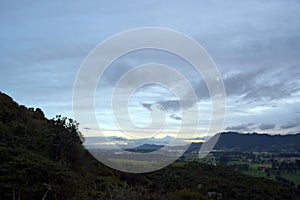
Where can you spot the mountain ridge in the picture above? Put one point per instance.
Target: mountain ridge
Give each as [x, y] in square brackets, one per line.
[242, 142]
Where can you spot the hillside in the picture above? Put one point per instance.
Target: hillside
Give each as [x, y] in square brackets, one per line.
[254, 142]
[44, 159]
[259, 142]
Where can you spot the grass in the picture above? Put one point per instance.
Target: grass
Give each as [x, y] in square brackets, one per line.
[134, 165]
[237, 163]
[253, 171]
[295, 177]
[178, 164]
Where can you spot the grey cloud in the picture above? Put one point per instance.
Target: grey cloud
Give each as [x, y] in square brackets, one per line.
[175, 117]
[250, 124]
[170, 105]
[269, 36]
[147, 106]
[253, 85]
[201, 89]
[127, 62]
[237, 128]
[291, 124]
[256, 43]
[240, 82]
[263, 84]
[114, 138]
[266, 126]
[242, 127]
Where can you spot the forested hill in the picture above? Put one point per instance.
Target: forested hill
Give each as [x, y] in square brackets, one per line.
[41, 157]
[259, 142]
[234, 141]
[44, 159]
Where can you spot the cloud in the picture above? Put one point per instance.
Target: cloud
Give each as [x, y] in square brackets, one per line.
[291, 124]
[175, 117]
[171, 105]
[263, 84]
[242, 127]
[147, 106]
[266, 126]
[254, 44]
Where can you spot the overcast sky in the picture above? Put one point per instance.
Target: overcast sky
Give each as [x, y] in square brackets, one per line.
[255, 45]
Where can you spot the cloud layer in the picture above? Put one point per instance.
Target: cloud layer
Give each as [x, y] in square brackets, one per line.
[255, 45]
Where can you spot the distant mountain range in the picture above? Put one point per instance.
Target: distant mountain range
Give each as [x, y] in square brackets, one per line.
[242, 142]
[145, 148]
[258, 142]
[125, 143]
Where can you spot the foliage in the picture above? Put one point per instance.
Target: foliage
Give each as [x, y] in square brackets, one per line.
[187, 194]
[41, 157]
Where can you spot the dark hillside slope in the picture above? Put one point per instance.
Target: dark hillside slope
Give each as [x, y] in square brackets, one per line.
[259, 142]
[254, 142]
[41, 157]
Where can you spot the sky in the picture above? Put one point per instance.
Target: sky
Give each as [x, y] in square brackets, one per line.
[255, 45]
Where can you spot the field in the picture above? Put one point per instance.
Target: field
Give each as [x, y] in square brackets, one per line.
[295, 177]
[253, 171]
[274, 166]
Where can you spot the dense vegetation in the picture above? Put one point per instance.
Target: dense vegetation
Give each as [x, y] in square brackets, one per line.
[45, 159]
[41, 157]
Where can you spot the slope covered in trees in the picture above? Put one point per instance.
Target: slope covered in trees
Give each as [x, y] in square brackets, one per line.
[44, 159]
[254, 142]
[259, 142]
[41, 157]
